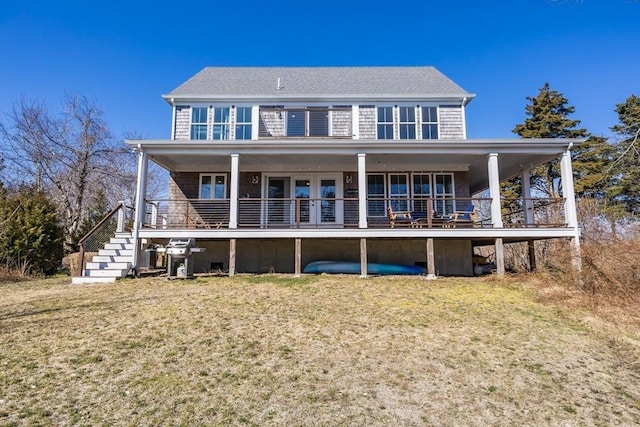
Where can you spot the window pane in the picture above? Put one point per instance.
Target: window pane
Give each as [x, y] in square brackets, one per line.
[243, 115]
[205, 187]
[221, 115]
[220, 132]
[385, 131]
[219, 189]
[385, 114]
[243, 131]
[407, 114]
[319, 122]
[407, 132]
[375, 195]
[295, 123]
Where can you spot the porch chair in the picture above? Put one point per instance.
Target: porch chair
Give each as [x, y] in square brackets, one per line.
[464, 218]
[400, 217]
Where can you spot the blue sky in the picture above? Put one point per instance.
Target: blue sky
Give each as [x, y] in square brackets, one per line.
[125, 54]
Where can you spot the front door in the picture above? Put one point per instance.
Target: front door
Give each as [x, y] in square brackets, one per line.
[316, 200]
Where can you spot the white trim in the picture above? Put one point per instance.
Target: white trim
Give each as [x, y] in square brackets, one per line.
[173, 122]
[463, 106]
[255, 122]
[213, 176]
[233, 191]
[362, 190]
[355, 121]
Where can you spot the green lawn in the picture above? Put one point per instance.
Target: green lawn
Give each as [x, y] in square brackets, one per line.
[317, 350]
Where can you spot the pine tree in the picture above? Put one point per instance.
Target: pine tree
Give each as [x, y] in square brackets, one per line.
[626, 166]
[548, 117]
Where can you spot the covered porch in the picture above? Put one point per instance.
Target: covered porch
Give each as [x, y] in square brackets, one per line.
[295, 190]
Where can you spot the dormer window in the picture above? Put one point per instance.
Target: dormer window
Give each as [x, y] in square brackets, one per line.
[429, 122]
[221, 123]
[199, 122]
[385, 122]
[243, 123]
[407, 122]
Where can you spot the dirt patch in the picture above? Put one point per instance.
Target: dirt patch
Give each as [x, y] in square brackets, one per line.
[319, 350]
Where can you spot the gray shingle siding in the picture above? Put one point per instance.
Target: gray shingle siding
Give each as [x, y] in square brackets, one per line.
[341, 123]
[183, 122]
[451, 122]
[367, 122]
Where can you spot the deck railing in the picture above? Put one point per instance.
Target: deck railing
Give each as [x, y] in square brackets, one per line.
[294, 213]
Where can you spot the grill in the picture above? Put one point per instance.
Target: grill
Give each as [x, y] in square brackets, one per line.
[180, 257]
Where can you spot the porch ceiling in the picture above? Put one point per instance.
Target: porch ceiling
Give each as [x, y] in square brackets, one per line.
[514, 155]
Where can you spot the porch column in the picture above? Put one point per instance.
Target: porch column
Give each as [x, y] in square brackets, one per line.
[141, 193]
[431, 260]
[233, 192]
[494, 191]
[362, 190]
[568, 192]
[298, 258]
[499, 257]
[363, 258]
[232, 257]
[527, 206]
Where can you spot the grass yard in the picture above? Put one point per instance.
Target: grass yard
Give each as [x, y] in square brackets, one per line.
[318, 350]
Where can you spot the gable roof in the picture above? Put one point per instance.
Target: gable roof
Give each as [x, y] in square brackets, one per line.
[319, 82]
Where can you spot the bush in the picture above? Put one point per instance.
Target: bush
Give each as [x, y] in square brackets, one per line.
[31, 239]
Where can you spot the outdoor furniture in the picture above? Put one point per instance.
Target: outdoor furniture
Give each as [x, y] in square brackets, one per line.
[400, 217]
[463, 218]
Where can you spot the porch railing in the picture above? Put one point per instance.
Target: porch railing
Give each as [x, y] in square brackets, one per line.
[293, 213]
[115, 221]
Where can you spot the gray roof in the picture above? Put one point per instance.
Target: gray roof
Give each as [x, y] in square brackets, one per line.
[366, 82]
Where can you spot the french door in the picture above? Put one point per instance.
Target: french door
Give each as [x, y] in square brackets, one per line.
[306, 200]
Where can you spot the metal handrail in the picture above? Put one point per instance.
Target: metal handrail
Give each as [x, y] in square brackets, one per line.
[102, 232]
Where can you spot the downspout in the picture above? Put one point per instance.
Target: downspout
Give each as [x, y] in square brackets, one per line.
[173, 119]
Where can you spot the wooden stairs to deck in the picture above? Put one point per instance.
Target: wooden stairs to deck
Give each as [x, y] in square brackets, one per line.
[114, 261]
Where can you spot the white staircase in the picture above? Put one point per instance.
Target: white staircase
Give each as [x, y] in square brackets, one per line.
[112, 262]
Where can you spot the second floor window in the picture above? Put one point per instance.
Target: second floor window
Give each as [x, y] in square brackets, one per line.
[199, 122]
[407, 123]
[385, 122]
[429, 122]
[243, 123]
[221, 123]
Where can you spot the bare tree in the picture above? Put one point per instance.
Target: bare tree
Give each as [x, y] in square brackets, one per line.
[69, 155]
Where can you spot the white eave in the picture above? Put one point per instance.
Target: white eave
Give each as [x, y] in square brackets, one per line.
[457, 98]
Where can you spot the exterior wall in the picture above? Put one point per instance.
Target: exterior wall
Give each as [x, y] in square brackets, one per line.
[453, 257]
[183, 122]
[451, 122]
[367, 122]
[341, 123]
[272, 123]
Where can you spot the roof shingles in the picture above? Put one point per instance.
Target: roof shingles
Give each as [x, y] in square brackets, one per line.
[318, 81]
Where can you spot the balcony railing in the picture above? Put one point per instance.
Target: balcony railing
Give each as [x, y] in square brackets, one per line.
[303, 213]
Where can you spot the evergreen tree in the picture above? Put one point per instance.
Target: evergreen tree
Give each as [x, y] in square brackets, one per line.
[626, 166]
[31, 238]
[548, 117]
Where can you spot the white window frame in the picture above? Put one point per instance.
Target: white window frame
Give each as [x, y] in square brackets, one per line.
[382, 203]
[398, 201]
[443, 207]
[406, 123]
[385, 123]
[200, 123]
[244, 123]
[225, 135]
[424, 122]
[213, 177]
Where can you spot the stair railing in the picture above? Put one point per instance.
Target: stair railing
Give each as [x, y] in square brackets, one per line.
[94, 240]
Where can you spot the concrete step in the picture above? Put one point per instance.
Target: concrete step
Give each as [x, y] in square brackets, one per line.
[96, 265]
[106, 273]
[82, 280]
[112, 258]
[116, 252]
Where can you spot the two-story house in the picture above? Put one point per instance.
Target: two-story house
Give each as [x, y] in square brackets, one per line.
[272, 168]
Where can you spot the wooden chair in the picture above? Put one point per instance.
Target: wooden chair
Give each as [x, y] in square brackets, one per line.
[463, 218]
[400, 217]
